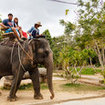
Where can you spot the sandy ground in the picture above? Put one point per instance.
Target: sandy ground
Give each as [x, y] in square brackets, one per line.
[25, 97]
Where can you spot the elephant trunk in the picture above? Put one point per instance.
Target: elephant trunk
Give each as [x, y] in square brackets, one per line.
[49, 66]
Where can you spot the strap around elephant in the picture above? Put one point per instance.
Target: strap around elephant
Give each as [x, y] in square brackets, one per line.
[25, 52]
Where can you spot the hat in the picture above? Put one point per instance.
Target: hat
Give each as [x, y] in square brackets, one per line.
[38, 23]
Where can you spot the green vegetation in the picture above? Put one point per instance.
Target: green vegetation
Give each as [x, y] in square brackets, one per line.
[83, 42]
[48, 36]
[62, 86]
[28, 86]
[25, 86]
[80, 87]
[90, 71]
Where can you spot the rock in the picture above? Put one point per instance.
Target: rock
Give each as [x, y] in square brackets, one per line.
[43, 75]
[7, 83]
[42, 71]
[42, 78]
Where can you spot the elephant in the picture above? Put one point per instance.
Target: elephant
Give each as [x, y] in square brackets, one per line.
[20, 58]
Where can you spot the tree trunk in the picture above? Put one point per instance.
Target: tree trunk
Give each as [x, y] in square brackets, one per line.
[103, 55]
[90, 61]
[97, 50]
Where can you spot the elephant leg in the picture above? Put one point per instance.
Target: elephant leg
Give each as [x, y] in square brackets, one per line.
[34, 75]
[0, 77]
[15, 85]
[0, 92]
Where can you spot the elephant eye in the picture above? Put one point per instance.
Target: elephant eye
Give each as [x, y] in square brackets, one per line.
[46, 53]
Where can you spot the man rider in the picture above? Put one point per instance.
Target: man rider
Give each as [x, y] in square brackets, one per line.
[34, 31]
[8, 25]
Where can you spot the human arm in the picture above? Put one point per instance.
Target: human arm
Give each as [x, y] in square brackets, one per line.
[30, 31]
[5, 24]
[5, 27]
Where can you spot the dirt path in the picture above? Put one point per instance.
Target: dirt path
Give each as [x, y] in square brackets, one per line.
[25, 97]
[92, 79]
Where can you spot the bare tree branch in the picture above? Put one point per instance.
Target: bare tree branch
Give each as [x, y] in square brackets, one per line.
[60, 1]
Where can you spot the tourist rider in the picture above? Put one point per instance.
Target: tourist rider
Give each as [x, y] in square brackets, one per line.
[16, 25]
[8, 25]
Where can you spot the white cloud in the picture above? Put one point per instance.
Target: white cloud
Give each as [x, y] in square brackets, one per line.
[31, 11]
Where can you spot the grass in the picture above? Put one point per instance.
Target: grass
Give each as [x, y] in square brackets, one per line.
[28, 86]
[64, 86]
[80, 87]
[90, 71]
[85, 71]
[44, 86]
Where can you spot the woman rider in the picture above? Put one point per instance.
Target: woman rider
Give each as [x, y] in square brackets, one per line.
[22, 34]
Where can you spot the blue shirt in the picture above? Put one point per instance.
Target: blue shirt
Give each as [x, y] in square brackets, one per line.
[8, 22]
[34, 31]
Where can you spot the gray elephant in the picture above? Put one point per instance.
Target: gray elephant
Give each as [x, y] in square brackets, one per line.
[24, 57]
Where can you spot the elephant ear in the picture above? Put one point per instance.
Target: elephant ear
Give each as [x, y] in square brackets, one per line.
[37, 42]
[36, 39]
[34, 43]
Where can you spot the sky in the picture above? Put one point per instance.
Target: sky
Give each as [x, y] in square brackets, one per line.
[47, 12]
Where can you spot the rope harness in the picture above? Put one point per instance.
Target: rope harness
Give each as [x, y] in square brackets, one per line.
[12, 51]
[20, 60]
[20, 46]
[25, 52]
[20, 63]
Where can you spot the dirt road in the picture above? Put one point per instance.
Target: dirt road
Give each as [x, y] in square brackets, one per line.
[25, 97]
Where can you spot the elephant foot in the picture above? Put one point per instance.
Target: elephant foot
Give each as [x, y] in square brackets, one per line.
[39, 97]
[12, 99]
